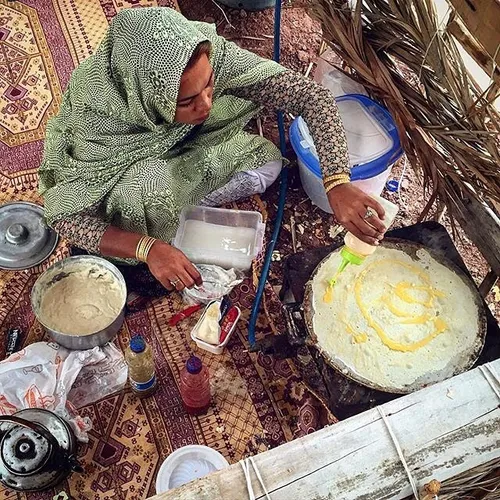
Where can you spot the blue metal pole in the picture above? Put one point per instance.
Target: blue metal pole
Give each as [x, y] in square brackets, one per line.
[282, 195]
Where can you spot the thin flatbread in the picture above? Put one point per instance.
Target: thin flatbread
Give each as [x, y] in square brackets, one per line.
[396, 321]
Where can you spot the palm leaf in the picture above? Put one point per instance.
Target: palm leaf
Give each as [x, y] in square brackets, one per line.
[448, 126]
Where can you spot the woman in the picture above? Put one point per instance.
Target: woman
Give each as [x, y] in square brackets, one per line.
[153, 121]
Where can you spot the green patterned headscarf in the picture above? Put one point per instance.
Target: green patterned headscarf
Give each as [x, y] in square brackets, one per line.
[114, 143]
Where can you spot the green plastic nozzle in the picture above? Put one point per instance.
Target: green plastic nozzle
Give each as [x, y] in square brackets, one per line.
[350, 257]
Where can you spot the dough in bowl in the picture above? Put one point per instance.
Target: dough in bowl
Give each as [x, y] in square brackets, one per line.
[395, 321]
[85, 301]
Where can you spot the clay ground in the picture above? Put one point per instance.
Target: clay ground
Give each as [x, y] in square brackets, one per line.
[300, 44]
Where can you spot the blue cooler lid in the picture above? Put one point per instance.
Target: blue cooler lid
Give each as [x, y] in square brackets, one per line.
[372, 138]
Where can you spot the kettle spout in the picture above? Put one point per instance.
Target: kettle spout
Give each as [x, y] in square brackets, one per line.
[74, 464]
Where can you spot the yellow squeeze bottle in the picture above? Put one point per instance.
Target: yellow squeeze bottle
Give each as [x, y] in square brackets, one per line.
[355, 251]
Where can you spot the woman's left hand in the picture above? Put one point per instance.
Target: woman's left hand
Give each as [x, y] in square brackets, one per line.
[172, 268]
[351, 206]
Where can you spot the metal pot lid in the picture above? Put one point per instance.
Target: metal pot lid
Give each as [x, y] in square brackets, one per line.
[28, 462]
[25, 238]
[24, 451]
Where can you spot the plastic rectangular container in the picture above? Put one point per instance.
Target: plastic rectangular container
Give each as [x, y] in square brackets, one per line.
[226, 238]
[313, 185]
[214, 349]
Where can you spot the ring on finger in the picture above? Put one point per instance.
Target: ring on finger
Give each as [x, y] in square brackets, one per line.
[174, 282]
[369, 213]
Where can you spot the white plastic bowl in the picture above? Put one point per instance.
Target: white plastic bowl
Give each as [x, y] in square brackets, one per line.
[187, 464]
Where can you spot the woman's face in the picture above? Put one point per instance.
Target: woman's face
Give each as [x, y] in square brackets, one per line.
[195, 93]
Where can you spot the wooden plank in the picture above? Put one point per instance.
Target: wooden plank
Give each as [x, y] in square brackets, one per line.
[487, 284]
[473, 48]
[481, 17]
[443, 430]
[482, 226]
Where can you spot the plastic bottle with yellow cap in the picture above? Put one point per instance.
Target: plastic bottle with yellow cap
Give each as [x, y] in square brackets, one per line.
[355, 250]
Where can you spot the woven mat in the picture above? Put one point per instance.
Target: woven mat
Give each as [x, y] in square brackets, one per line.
[258, 402]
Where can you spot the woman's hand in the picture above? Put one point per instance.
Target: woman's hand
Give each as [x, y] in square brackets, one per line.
[171, 267]
[352, 208]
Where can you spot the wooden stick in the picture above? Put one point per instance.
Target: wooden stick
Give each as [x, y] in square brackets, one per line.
[259, 126]
[322, 48]
[482, 226]
[243, 37]
[294, 233]
[487, 284]
[223, 12]
[309, 68]
[441, 210]
[484, 60]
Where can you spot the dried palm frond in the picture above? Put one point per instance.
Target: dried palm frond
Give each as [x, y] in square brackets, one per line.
[482, 482]
[406, 60]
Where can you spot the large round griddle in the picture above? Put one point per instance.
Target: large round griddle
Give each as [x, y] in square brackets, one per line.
[409, 248]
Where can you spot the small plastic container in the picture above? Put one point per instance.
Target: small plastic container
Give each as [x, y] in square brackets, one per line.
[230, 239]
[214, 349]
[187, 464]
[373, 144]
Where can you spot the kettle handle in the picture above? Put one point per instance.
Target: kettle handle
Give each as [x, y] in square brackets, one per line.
[34, 427]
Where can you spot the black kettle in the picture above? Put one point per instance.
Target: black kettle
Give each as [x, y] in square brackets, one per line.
[37, 450]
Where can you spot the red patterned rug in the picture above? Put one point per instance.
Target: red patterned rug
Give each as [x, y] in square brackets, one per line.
[258, 402]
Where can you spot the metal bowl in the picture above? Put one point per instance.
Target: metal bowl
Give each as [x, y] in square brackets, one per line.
[60, 270]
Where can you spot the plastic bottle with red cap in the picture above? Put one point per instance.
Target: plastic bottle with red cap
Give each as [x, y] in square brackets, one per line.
[195, 387]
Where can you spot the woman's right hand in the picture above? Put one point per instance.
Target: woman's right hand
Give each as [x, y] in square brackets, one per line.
[171, 267]
[352, 207]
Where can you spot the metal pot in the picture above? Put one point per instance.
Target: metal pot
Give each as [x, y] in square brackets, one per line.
[37, 450]
[60, 270]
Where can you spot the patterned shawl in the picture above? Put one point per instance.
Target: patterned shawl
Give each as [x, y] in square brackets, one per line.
[114, 143]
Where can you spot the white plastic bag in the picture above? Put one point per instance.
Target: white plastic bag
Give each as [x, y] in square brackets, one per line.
[217, 282]
[42, 375]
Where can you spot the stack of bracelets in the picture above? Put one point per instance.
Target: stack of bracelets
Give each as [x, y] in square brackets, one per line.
[143, 247]
[335, 180]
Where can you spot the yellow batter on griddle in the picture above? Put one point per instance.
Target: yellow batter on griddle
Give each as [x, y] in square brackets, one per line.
[394, 319]
[401, 290]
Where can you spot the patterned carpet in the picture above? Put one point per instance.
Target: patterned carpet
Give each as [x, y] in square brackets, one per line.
[259, 402]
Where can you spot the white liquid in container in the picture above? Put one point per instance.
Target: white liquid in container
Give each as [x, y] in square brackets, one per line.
[230, 239]
[217, 237]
